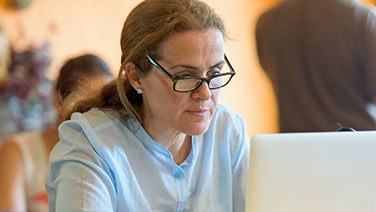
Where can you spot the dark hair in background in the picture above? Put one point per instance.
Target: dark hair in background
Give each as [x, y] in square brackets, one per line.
[76, 70]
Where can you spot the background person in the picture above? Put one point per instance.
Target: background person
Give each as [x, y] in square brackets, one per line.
[319, 55]
[24, 156]
[155, 139]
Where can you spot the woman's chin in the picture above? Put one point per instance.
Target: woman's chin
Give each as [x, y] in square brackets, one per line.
[196, 128]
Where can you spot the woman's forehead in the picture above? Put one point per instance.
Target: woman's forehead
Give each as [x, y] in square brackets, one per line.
[192, 44]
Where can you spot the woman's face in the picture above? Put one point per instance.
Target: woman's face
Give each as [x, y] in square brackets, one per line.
[165, 110]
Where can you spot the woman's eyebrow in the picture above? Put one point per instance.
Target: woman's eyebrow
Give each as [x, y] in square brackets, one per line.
[217, 64]
[184, 66]
[194, 67]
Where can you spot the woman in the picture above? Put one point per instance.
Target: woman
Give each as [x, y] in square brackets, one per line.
[155, 139]
[24, 156]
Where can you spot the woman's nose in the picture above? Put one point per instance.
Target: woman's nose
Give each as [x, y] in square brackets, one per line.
[203, 92]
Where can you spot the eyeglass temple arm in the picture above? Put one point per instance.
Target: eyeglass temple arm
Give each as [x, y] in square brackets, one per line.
[159, 67]
[229, 64]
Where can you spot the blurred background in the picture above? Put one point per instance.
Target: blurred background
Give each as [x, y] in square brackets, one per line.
[60, 29]
[47, 32]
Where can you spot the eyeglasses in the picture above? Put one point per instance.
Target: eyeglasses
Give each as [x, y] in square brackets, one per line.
[189, 83]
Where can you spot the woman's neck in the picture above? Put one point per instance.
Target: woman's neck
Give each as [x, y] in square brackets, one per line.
[179, 144]
[181, 152]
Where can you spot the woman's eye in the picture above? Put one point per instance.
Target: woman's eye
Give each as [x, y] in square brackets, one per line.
[182, 76]
[214, 73]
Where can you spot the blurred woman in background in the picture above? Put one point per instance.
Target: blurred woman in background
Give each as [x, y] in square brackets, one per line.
[24, 156]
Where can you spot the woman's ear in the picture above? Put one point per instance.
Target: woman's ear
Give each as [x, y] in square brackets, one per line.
[133, 76]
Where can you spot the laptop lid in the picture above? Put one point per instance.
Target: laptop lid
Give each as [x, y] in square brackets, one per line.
[304, 172]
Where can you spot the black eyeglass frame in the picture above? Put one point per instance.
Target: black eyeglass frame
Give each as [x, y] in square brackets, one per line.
[202, 79]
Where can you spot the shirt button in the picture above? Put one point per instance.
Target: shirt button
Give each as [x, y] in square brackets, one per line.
[179, 175]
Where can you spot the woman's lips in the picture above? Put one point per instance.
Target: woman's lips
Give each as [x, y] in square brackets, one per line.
[198, 112]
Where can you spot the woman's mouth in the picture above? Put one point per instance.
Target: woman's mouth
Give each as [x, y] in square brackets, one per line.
[199, 112]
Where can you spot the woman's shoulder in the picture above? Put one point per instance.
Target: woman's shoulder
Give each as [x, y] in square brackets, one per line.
[24, 144]
[229, 129]
[12, 169]
[91, 121]
[96, 129]
[10, 147]
[81, 133]
[95, 117]
[26, 141]
[25, 136]
[225, 114]
[94, 138]
[227, 123]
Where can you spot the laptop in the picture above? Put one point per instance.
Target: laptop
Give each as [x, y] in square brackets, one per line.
[306, 172]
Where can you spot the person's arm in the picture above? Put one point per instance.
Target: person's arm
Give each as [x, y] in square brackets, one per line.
[12, 193]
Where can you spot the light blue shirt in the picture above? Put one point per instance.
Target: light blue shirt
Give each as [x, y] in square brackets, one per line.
[103, 163]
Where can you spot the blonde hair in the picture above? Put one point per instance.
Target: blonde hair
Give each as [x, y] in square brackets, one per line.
[146, 27]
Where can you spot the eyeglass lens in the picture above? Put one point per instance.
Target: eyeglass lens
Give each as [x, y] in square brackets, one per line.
[190, 84]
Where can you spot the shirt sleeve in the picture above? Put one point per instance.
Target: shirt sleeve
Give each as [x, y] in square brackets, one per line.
[240, 168]
[78, 179]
